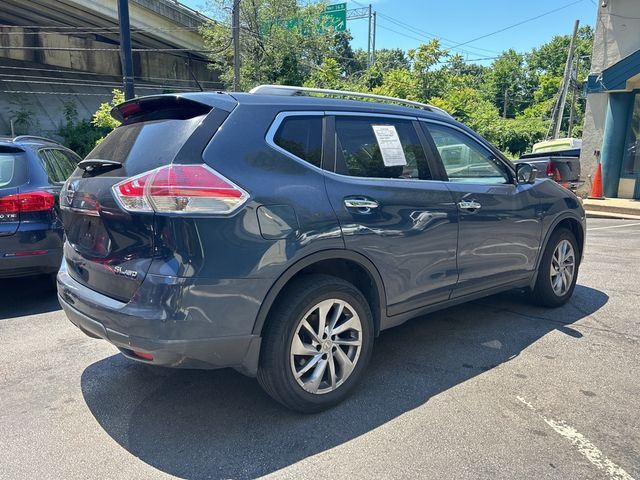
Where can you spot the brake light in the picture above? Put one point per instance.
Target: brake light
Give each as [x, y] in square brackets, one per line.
[549, 169]
[180, 189]
[553, 172]
[27, 202]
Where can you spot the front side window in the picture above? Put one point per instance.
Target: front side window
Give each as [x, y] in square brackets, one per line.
[464, 159]
[301, 136]
[379, 148]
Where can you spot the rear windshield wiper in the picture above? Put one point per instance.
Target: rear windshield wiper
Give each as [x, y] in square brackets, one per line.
[92, 164]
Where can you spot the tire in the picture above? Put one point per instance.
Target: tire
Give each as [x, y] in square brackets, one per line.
[346, 308]
[544, 292]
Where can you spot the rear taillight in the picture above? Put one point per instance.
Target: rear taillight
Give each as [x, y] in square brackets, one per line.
[553, 172]
[27, 202]
[180, 189]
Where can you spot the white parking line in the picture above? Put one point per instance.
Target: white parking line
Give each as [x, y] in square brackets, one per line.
[584, 446]
[613, 226]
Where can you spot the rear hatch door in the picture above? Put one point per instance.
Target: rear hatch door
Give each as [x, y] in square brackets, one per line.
[109, 249]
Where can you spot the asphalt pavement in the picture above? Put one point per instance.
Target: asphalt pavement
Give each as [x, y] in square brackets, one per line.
[493, 389]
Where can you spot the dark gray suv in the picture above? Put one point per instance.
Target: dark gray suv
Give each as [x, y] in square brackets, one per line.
[279, 233]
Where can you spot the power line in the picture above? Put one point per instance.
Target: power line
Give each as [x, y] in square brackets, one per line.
[416, 38]
[419, 31]
[86, 49]
[95, 29]
[31, 92]
[518, 24]
[103, 85]
[79, 72]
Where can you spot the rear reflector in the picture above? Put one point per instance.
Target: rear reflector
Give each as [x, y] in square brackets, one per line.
[28, 253]
[180, 189]
[27, 202]
[143, 355]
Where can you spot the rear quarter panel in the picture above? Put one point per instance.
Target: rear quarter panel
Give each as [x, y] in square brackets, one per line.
[234, 246]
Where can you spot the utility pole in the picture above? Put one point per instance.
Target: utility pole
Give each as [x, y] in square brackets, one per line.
[574, 88]
[369, 39]
[125, 49]
[373, 40]
[505, 102]
[235, 32]
[558, 112]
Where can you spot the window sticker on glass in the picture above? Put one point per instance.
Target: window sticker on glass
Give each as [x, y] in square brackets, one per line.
[390, 146]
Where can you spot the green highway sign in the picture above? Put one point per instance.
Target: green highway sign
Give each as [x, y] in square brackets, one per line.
[335, 17]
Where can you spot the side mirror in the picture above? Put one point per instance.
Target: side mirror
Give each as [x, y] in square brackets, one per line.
[526, 173]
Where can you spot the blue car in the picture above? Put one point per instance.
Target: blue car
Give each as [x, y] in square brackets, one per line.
[278, 233]
[32, 171]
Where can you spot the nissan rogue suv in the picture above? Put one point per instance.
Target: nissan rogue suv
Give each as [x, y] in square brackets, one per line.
[279, 232]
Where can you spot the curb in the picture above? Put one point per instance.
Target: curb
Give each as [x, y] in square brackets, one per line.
[610, 215]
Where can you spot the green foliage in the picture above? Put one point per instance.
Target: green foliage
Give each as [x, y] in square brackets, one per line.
[22, 116]
[508, 102]
[281, 42]
[102, 118]
[82, 135]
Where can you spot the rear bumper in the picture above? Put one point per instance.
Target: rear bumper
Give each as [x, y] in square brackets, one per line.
[206, 353]
[164, 319]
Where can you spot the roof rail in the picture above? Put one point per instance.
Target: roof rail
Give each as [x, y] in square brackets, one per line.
[291, 90]
[33, 137]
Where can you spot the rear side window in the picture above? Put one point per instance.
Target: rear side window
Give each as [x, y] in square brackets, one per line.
[49, 165]
[301, 136]
[379, 148]
[64, 161]
[56, 165]
[13, 168]
[144, 146]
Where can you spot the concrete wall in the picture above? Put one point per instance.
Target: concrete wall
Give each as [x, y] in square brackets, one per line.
[617, 35]
[617, 32]
[80, 62]
[107, 62]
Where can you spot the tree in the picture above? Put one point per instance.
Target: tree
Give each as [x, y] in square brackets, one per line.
[281, 41]
[80, 135]
[507, 84]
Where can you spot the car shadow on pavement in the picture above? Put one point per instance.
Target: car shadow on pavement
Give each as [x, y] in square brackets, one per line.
[27, 296]
[220, 424]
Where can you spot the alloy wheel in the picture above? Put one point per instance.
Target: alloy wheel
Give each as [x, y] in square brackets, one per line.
[563, 266]
[326, 346]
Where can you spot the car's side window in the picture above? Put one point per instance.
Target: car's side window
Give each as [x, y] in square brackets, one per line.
[50, 166]
[379, 148]
[66, 165]
[301, 135]
[464, 159]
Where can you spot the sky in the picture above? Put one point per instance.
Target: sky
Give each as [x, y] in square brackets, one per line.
[407, 23]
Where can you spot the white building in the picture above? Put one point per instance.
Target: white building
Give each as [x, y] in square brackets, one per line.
[612, 119]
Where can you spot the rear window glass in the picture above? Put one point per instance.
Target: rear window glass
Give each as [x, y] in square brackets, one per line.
[301, 136]
[13, 169]
[145, 145]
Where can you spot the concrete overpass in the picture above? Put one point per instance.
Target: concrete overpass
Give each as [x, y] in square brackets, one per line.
[52, 51]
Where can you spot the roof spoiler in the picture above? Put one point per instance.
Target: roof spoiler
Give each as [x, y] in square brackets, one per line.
[159, 107]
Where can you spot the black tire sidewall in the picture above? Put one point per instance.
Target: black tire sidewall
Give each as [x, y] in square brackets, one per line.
[544, 292]
[281, 337]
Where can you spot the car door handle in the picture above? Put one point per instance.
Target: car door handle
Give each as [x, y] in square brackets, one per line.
[469, 205]
[365, 204]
